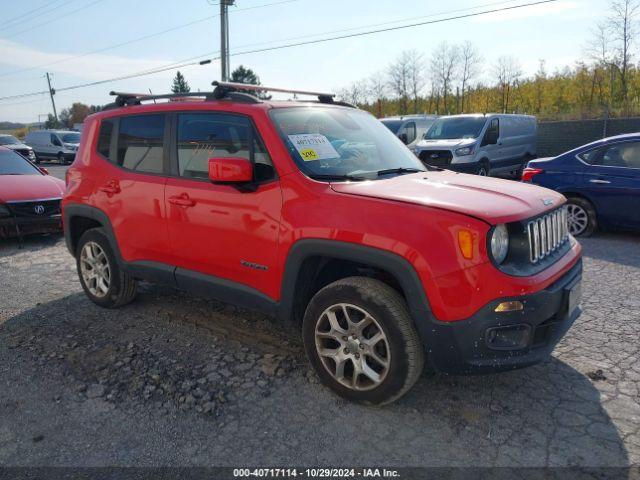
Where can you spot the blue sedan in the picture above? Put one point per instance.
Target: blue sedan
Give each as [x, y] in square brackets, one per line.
[601, 181]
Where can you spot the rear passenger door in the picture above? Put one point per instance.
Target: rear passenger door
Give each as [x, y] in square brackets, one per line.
[612, 180]
[130, 185]
[222, 233]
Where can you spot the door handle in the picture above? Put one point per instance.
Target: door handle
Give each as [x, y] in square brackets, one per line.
[110, 188]
[182, 200]
[599, 181]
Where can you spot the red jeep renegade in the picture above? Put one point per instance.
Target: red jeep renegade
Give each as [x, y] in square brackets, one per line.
[316, 213]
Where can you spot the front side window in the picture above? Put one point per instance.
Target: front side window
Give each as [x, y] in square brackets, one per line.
[13, 164]
[410, 132]
[140, 143]
[202, 136]
[622, 155]
[328, 142]
[55, 140]
[455, 128]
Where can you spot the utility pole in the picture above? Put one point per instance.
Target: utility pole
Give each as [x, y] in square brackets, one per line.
[224, 39]
[52, 93]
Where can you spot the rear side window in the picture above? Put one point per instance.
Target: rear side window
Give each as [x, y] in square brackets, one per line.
[622, 155]
[104, 139]
[141, 143]
[205, 135]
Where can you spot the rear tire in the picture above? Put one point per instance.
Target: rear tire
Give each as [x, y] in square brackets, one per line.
[100, 276]
[361, 341]
[583, 221]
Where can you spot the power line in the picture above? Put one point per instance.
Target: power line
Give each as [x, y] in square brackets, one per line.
[290, 45]
[144, 37]
[46, 10]
[58, 18]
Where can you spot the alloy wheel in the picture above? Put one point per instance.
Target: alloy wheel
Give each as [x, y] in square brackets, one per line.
[352, 346]
[95, 270]
[578, 219]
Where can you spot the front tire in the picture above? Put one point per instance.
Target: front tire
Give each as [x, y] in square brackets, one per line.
[100, 276]
[361, 341]
[583, 221]
[484, 169]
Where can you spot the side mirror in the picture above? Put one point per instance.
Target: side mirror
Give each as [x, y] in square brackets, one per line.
[230, 170]
[44, 170]
[404, 138]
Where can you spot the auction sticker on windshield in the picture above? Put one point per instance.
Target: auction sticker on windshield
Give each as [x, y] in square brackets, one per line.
[313, 146]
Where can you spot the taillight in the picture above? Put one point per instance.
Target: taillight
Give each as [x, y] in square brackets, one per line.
[66, 178]
[528, 173]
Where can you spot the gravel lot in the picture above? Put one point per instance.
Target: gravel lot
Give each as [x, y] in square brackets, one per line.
[177, 380]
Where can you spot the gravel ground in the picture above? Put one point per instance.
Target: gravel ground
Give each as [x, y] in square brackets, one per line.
[177, 380]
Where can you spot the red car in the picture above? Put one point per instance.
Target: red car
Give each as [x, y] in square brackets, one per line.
[316, 213]
[29, 197]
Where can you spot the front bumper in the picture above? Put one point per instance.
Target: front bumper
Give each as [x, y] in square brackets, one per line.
[11, 227]
[467, 346]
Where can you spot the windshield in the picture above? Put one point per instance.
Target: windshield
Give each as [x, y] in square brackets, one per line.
[455, 128]
[9, 140]
[392, 125]
[339, 142]
[13, 164]
[71, 138]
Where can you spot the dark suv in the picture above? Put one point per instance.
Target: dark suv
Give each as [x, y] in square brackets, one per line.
[315, 212]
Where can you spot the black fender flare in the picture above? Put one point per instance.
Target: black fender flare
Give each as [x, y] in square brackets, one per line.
[390, 262]
[73, 210]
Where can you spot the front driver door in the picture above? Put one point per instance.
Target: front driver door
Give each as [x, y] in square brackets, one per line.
[222, 233]
[612, 180]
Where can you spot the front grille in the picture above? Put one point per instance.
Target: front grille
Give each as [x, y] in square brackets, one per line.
[547, 234]
[35, 209]
[436, 158]
[23, 151]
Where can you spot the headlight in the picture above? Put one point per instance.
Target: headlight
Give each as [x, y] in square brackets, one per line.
[461, 152]
[4, 211]
[499, 243]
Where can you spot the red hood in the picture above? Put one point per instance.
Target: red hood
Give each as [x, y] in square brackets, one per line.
[490, 199]
[29, 187]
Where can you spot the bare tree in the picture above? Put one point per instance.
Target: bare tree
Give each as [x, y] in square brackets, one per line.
[540, 77]
[377, 90]
[622, 23]
[470, 60]
[507, 71]
[444, 62]
[399, 73]
[416, 76]
[356, 93]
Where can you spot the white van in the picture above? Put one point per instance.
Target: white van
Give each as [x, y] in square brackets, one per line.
[481, 144]
[61, 145]
[409, 128]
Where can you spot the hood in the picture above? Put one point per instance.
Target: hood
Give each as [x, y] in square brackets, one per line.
[490, 199]
[30, 187]
[18, 146]
[449, 143]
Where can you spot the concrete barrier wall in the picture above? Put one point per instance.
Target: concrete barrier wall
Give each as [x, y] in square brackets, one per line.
[555, 138]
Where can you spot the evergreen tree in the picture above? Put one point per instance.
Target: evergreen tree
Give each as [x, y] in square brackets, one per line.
[248, 76]
[180, 85]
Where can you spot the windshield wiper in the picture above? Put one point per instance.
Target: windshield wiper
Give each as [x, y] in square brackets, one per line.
[322, 176]
[389, 171]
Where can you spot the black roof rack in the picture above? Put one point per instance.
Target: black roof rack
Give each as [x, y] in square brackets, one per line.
[223, 91]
